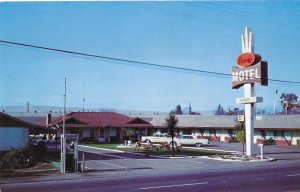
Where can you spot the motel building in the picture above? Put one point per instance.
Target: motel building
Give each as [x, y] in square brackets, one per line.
[15, 132]
[108, 127]
[103, 127]
[115, 127]
[284, 129]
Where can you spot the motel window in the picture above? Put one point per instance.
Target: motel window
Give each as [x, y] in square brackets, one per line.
[212, 131]
[230, 132]
[279, 134]
[202, 132]
[186, 131]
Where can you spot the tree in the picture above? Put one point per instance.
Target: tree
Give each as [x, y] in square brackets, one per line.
[220, 110]
[260, 111]
[178, 110]
[240, 134]
[289, 103]
[171, 123]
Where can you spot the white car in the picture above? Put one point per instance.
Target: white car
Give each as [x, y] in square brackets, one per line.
[37, 139]
[156, 138]
[159, 138]
[192, 140]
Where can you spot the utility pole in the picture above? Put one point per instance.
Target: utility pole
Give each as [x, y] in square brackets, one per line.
[83, 100]
[276, 91]
[63, 155]
[27, 104]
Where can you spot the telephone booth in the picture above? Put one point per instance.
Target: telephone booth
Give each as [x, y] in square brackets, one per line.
[71, 157]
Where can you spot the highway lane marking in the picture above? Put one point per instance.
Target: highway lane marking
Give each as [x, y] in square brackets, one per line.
[169, 186]
[294, 175]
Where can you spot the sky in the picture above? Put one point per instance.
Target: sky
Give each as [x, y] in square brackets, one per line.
[187, 34]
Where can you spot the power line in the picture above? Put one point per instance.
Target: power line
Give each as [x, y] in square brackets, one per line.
[132, 61]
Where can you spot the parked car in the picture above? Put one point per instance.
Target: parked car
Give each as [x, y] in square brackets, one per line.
[192, 140]
[160, 138]
[37, 139]
[156, 138]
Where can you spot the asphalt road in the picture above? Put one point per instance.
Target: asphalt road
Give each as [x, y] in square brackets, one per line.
[286, 178]
[118, 171]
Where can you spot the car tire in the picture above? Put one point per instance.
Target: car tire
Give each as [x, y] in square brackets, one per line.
[198, 144]
[175, 144]
[147, 141]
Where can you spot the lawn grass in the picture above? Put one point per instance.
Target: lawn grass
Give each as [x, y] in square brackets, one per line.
[183, 151]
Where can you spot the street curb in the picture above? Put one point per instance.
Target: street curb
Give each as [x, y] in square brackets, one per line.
[210, 149]
[231, 160]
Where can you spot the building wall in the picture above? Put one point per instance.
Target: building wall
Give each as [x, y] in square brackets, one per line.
[226, 137]
[96, 134]
[222, 135]
[215, 135]
[282, 138]
[13, 137]
[106, 135]
[298, 138]
[286, 138]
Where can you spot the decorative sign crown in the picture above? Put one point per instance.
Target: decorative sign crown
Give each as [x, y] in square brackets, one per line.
[251, 68]
[248, 41]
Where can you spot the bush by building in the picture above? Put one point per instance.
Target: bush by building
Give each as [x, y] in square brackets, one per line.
[23, 158]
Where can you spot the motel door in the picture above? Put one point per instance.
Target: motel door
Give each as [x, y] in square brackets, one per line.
[101, 135]
[294, 138]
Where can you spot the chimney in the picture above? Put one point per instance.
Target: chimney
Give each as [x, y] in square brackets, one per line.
[48, 119]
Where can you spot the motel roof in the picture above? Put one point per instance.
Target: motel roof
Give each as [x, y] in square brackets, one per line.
[10, 121]
[282, 122]
[99, 119]
[196, 121]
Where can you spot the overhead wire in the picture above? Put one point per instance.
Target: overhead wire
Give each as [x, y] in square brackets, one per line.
[133, 61]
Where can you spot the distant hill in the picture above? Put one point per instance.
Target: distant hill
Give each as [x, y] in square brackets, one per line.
[56, 111]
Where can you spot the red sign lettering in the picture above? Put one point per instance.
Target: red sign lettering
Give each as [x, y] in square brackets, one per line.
[248, 59]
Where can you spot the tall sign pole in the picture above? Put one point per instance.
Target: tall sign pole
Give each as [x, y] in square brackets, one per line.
[250, 70]
[249, 91]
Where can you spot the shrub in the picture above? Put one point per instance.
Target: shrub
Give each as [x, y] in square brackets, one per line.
[17, 158]
[270, 141]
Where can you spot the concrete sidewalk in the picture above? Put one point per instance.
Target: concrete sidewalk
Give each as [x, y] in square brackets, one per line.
[20, 176]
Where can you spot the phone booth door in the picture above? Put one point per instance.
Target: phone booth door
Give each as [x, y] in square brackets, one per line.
[71, 152]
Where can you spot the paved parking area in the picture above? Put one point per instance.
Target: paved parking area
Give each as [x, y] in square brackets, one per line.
[112, 160]
[277, 152]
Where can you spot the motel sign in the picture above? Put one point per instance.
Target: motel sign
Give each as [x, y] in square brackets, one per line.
[257, 73]
[251, 69]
